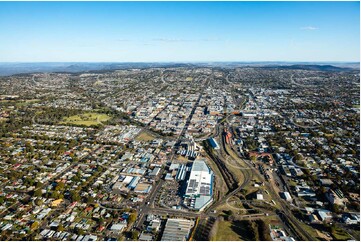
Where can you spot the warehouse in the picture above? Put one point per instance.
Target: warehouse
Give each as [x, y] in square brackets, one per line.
[134, 182]
[213, 143]
[199, 186]
[181, 173]
[155, 171]
[177, 230]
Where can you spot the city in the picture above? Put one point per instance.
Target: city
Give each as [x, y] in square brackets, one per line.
[181, 153]
[180, 120]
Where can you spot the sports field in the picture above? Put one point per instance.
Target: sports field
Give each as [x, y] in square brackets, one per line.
[87, 119]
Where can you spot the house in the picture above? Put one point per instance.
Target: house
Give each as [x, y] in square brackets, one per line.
[56, 203]
[259, 196]
[326, 182]
[324, 215]
[350, 218]
[335, 197]
[146, 237]
[118, 227]
[153, 225]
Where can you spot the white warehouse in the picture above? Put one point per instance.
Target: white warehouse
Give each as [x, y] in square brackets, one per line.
[199, 186]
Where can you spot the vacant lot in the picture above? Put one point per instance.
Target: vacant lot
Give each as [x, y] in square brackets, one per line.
[86, 119]
[145, 136]
[226, 233]
[243, 230]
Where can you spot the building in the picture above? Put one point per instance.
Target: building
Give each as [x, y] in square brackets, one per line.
[177, 230]
[350, 218]
[134, 182]
[335, 197]
[143, 188]
[146, 237]
[56, 203]
[199, 186]
[213, 143]
[324, 215]
[259, 195]
[155, 171]
[118, 227]
[174, 166]
[286, 196]
[326, 182]
[181, 173]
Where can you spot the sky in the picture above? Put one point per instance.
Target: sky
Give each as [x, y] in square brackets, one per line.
[179, 31]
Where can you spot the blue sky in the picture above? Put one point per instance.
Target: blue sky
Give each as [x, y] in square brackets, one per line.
[179, 31]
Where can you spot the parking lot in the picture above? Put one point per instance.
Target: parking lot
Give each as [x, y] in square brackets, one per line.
[169, 195]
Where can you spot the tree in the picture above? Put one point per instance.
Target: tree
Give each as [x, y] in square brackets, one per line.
[38, 202]
[263, 231]
[60, 186]
[38, 193]
[132, 218]
[34, 226]
[60, 228]
[75, 197]
[135, 235]
[336, 208]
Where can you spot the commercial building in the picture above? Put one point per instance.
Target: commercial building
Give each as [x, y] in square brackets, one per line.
[213, 143]
[181, 173]
[286, 196]
[199, 186]
[134, 182]
[177, 230]
[155, 171]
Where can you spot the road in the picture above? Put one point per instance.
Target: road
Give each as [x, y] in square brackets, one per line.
[144, 209]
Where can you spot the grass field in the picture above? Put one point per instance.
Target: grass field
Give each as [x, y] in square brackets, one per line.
[226, 233]
[340, 234]
[145, 136]
[86, 119]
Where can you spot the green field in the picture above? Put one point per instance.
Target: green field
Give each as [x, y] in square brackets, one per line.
[339, 234]
[86, 119]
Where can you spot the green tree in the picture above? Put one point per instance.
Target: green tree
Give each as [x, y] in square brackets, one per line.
[34, 226]
[38, 193]
[60, 228]
[135, 235]
[132, 218]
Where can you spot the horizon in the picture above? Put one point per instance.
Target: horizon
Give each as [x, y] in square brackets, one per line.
[180, 62]
[179, 32]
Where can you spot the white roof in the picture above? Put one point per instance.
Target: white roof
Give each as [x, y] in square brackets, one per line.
[127, 179]
[118, 226]
[200, 179]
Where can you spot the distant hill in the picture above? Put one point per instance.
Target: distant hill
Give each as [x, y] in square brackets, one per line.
[310, 67]
[7, 69]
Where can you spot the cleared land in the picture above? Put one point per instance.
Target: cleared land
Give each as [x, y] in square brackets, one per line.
[145, 136]
[86, 119]
[226, 233]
